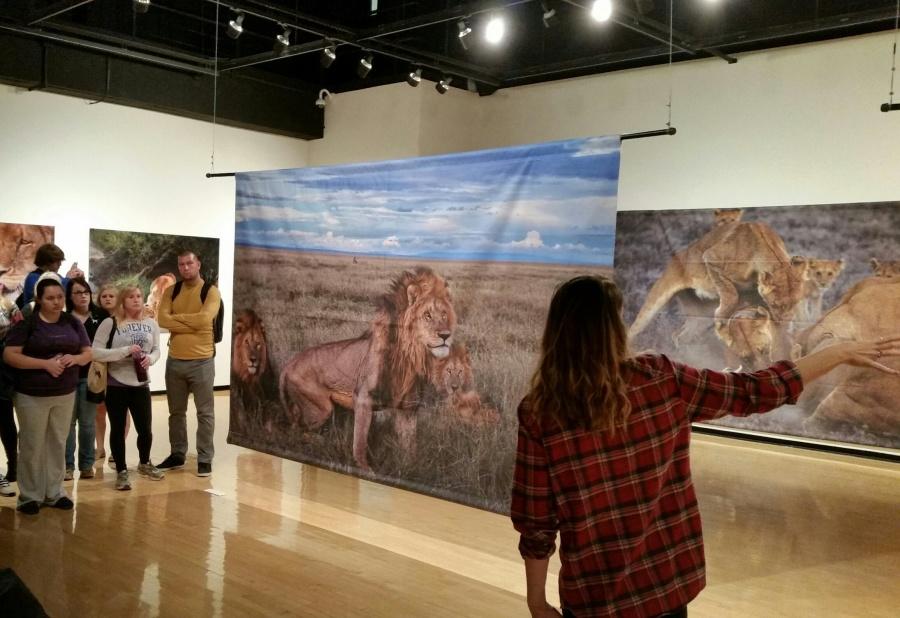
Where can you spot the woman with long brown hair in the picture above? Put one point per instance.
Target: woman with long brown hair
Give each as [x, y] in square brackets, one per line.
[603, 456]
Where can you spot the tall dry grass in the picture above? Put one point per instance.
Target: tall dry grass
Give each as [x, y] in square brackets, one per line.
[306, 299]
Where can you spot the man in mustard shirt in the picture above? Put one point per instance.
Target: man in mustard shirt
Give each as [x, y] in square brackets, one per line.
[190, 367]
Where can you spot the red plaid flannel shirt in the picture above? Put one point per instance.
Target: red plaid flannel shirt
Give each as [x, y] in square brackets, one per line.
[624, 504]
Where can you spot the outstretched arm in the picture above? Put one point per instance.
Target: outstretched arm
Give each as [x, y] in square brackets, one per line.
[858, 353]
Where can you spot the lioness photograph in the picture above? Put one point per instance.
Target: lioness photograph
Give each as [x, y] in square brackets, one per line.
[388, 316]
[18, 244]
[762, 284]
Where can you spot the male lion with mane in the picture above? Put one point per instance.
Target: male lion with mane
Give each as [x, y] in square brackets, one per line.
[249, 355]
[385, 367]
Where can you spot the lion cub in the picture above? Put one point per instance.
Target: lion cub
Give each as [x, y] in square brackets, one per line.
[724, 216]
[885, 269]
[452, 378]
[820, 276]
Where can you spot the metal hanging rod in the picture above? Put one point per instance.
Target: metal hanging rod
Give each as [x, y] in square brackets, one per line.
[669, 131]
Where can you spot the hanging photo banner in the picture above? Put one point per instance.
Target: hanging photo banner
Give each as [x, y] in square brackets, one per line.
[388, 315]
[741, 288]
[18, 244]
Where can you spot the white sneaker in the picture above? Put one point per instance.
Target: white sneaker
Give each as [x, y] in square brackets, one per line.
[5, 488]
[151, 472]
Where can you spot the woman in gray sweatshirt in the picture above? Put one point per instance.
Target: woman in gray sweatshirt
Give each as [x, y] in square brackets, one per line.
[133, 347]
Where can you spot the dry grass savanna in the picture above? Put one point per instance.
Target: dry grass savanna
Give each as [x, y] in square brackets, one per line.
[855, 233]
[305, 299]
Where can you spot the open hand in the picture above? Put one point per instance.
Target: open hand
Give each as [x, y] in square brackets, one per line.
[872, 353]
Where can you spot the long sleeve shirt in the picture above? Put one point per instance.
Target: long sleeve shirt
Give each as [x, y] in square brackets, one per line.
[119, 363]
[623, 502]
[190, 321]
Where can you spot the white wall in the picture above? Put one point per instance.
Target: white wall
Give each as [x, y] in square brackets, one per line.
[796, 125]
[77, 166]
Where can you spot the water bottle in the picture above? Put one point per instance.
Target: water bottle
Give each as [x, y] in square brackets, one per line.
[139, 370]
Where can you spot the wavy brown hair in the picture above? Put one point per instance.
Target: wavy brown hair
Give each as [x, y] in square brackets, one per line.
[580, 382]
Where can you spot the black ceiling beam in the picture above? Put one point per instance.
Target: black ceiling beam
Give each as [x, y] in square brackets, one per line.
[293, 50]
[57, 8]
[454, 13]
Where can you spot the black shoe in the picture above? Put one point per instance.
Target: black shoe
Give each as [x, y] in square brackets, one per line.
[63, 504]
[29, 508]
[172, 462]
[203, 469]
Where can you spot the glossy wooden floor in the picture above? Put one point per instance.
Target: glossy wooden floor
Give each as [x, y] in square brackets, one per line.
[788, 533]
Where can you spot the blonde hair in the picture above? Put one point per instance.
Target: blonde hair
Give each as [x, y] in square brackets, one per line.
[581, 380]
[119, 309]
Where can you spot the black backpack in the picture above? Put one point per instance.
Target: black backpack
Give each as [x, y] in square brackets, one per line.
[218, 323]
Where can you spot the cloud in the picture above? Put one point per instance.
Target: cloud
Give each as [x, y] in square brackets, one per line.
[258, 212]
[391, 241]
[532, 240]
[597, 146]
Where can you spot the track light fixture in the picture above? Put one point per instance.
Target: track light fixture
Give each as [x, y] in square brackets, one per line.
[444, 85]
[550, 16]
[236, 26]
[141, 6]
[328, 56]
[495, 29]
[414, 78]
[322, 101]
[283, 40]
[464, 30]
[601, 10]
[365, 65]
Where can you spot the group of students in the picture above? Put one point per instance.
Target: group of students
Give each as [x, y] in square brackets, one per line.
[48, 349]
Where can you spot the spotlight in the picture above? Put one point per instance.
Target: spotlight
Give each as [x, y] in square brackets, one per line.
[328, 56]
[322, 101]
[365, 65]
[235, 26]
[495, 30]
[464, 30]
[141, 6]
[283, 40]
[414, 77]
[601, 10]
[550, 16]
[444, 85]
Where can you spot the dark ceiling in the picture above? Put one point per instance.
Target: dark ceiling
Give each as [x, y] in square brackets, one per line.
[166, 58]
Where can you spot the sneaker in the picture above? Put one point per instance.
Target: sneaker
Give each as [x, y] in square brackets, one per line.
[63, 503]
[204, 469]
[5, 488]
[122, 482]
[29, 508]
[172, 462]
[151, 472]
[70, 474]
[87, 473]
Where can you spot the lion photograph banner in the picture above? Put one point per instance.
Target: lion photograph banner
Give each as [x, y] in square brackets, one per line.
[18, 244]
[740, 288]
[387, 316]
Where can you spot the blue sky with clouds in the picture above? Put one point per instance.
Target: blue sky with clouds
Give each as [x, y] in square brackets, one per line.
[550, 203]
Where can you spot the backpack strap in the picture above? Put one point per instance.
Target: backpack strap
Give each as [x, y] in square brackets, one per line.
[176, 289]
[112, 333]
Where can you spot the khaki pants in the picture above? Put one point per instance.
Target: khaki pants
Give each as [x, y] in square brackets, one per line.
[43, 428]
[194, 377]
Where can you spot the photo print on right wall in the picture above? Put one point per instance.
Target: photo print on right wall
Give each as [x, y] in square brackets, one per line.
[740, 288]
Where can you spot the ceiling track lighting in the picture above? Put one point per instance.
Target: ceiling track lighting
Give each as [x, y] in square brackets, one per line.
[283, 40]
[414, 77]
[495, 29]
[601, 10]
[364, 66]
[464, 30]
[444, 85]
[328, 56]
[322, 101]
[141, 6]
[236, 26]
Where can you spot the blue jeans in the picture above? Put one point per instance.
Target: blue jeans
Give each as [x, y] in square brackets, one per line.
[85, 413]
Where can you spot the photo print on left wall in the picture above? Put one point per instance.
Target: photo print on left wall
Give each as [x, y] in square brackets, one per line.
[149, 261]
[18, 244]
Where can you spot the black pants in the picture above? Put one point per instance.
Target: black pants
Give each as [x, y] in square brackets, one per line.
[8, 436]
[681, 612]
[119, 400]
